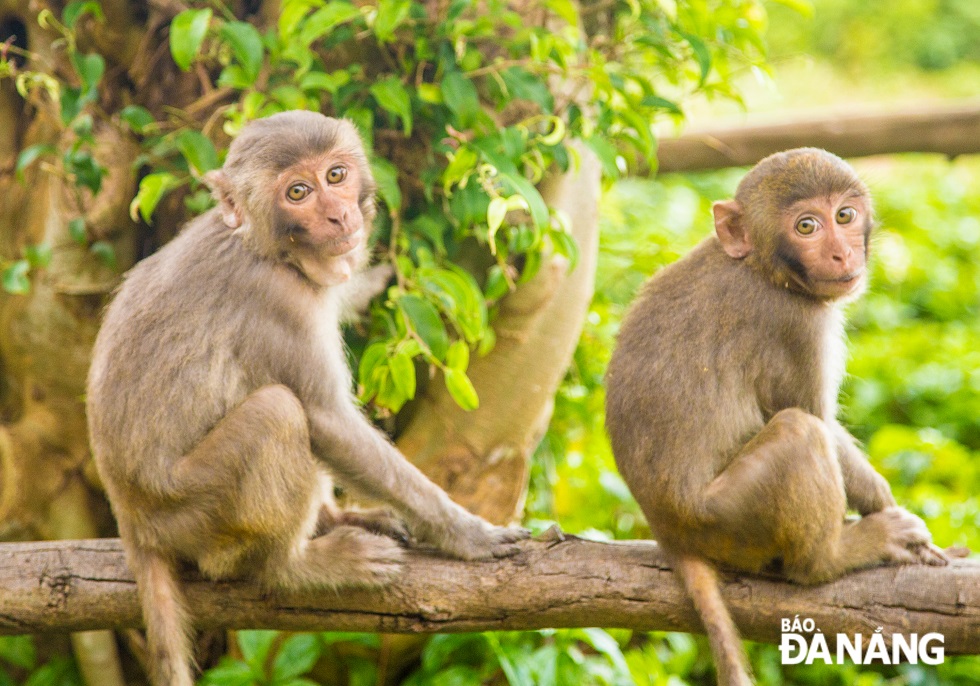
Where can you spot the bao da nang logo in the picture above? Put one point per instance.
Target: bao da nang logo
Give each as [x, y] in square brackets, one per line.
[803, 643]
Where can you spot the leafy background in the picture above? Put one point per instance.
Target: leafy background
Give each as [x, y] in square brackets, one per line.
[914, 393]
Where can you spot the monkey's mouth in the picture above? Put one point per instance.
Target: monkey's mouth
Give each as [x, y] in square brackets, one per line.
[845, 280]
[331, 246]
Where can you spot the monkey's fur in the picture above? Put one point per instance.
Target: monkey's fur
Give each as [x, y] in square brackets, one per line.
[722, 396]
[219, 391]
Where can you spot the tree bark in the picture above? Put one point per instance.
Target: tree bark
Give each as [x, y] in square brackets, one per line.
[950, 129]
[84, 585]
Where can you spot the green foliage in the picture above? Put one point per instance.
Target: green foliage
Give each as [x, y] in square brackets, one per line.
[19, 665]
[466, 106]
[923, 34]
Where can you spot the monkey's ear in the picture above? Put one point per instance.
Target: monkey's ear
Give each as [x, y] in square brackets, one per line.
[728, 225]
[220, 186]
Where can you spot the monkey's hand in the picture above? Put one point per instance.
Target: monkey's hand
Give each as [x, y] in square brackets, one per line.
[364, 287]
[469, 537]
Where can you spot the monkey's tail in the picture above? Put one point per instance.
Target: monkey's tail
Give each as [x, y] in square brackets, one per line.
[701, 582]
[168, 623]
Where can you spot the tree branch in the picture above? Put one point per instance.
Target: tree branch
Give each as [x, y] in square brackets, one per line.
[82, 585]
[948, 129]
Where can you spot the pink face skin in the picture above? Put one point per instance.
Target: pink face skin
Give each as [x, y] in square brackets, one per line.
[828, 238]
[318, 199]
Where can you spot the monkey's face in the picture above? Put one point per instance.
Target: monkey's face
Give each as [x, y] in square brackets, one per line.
[822, 244]
[317, 203]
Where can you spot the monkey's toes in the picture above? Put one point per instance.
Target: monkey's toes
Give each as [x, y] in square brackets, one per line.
[373, 559]
[380, 521]
[905, 529]
[930, 554]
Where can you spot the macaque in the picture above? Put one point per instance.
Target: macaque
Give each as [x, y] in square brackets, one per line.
[722, 397]
[219, 396]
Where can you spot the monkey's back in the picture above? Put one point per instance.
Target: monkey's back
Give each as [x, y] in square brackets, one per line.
[177, 350]
[696, 372]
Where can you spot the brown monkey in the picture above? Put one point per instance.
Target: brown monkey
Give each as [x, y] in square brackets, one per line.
[219, 390]
[722, 396]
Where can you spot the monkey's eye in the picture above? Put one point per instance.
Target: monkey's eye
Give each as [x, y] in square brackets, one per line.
[806, 226]
[846, 215]
[336, 174]
[297, 192]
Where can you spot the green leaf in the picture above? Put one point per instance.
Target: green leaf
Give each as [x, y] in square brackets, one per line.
[255, 645]
[325, 19]
[198, 150]
[76, 229]
[71, 104]
[58, 672]
[374, 356]
[425, 321]
[496, 286]
[28, 155]
[523, 85]
[496, 212]
[152, 189]
[246, 45]
[104, 252]
[607, 154]
[229, 672]
[566, 9]
[391, 13]
[38, 254]
[461, 389]
[458, 357]
[701, 54]
[90, 69]
[319, 81]
[386, 177]
[87, 172]
[297, 656]
[403, 374]
[18, 651]
[661, 104]
[76, 10]
[187, 32]
[136, 118]
[392, 96]
[292, 14]
[15, 278]
[461, 98]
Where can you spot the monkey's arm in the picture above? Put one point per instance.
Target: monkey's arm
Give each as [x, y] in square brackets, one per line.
[867, 490]
[365, 460]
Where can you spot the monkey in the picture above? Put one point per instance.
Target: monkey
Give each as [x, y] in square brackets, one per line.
[722, 397]
[219, 396]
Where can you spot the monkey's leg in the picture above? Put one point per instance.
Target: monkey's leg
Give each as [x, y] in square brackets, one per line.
[379, 520]
[263, 500]
[783, 497]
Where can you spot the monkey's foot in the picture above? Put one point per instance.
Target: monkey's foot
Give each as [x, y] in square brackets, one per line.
[352, 556]
[906, 538]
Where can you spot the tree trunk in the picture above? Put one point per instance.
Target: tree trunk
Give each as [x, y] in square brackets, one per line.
[570, 582]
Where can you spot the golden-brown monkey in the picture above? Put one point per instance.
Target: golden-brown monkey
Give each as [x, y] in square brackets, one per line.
[722, 396]
[219, 391]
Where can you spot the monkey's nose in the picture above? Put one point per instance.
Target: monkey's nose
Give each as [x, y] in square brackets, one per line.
[338, 218]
